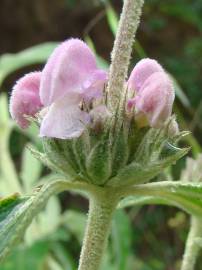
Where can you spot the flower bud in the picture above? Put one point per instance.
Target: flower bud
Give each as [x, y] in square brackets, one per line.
[141, 72]
[155, 99]
[25, 98]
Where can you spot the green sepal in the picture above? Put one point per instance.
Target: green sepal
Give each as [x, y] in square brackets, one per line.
[66, 148]
[55, 153]
[99, 162]
[44, 160]
[154, 153]
[123, 154]
[81, 149]
[151, 145]
[134, 139]
[120, 151]
[136, 173]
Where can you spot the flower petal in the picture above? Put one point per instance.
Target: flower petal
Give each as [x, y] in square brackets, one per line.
[94, 85]
[141, 72]
[25, 98]
[68, 67]
[64, 120]
[155, 98]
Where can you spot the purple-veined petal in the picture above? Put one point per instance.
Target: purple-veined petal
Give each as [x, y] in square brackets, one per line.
[141, 72]
[155, 99]
[25, 98]
[64, 120]
[70, 64]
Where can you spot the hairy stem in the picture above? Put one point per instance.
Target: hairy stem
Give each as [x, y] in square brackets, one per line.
[100, 214]
[122, 49]
[192, 245]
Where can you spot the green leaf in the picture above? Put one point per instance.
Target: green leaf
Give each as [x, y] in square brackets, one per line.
[31, 169]
[180, 93]
[23, 258]
[142, 200]
[34, 55]
[185, 195]
[4, 112]
[75, 222]
[8, 174]
[62, 254]
[112, 18]
[16, 213]
[121, 239]
[53, 264]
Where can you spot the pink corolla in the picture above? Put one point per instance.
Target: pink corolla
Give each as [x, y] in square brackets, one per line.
[69, 78]
[25, 99]
[153, 92]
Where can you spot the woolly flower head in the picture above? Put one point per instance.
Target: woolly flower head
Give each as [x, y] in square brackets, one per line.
[81, 136]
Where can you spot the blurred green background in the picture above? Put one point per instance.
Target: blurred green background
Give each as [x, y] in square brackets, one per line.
[142, 238]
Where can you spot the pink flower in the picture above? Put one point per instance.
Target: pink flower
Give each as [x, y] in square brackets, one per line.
[25, 98]
[69, 77]
[154, 93]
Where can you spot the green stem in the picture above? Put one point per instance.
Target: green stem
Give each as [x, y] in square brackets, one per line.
[192, 246]
[122, 49]
[102, 206]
